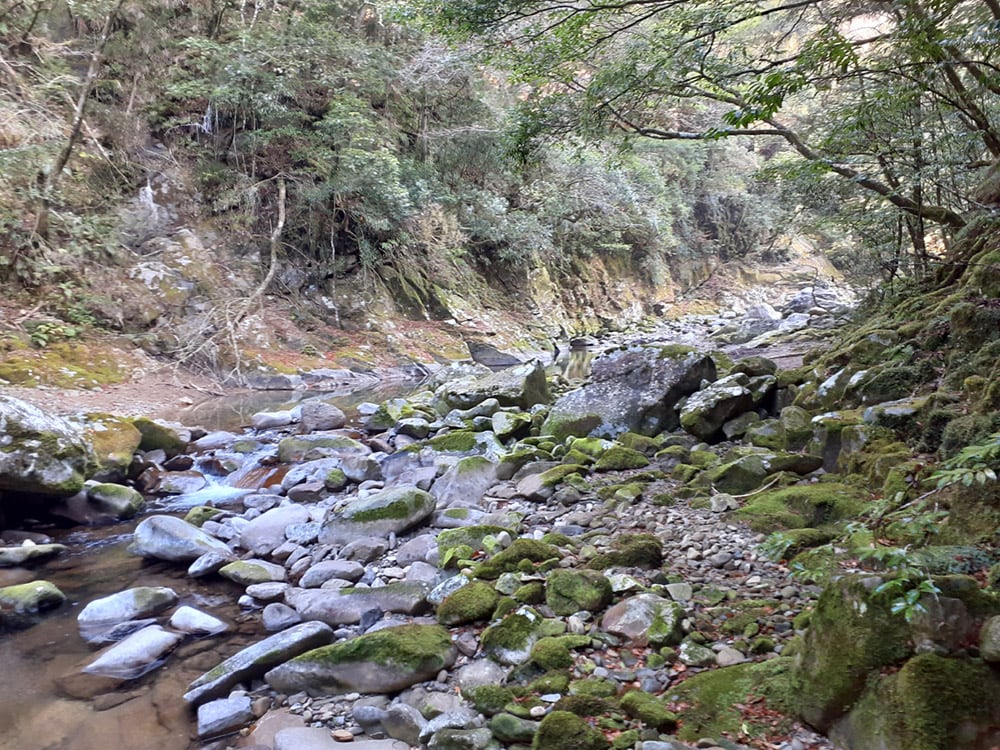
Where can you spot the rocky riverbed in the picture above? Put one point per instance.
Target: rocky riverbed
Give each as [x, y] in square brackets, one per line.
[500, 560]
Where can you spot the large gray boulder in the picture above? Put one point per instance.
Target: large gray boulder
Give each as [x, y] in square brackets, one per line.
[255, 660]
[41, 453]
[522, 385]
[267, 531]
[631, 390]
[704, 413]
[390, 511]
[173, 539]
[645, 619]
[385, 661]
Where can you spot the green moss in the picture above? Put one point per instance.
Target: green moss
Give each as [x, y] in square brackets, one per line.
[201, 513]
[631, 550]
[569, 591]
[508, 728]
[530, 593]
[703, 459]
[514, 633]
[335, 480]
[801, 506]
[648, 446]
[595, 686]
[649, 711]
[851, 634]
[522, 550]
[475, 601]
[685, 472]
[459, 441]
[157, 437]
[414, 647]
[584, 705]
[620, 458]
[554, 653]
[561, 730]
[554, 681]
[713, 698]
[489, 699]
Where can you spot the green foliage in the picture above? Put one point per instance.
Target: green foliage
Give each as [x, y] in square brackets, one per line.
[973, 464]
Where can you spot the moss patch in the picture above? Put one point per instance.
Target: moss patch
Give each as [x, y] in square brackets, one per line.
[631, 550]
[562, 730]
[801, 506]
[510, 559]
[475, 601]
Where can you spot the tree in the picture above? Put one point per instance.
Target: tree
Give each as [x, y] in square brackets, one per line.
[898, 97]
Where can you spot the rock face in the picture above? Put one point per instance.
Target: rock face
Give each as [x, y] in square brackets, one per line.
[169, 538]
[41, 453]
[381, 662]
[391, 511]
[631, 390]
[255, 660]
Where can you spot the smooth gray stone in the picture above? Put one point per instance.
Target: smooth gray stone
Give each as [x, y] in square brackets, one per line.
[255, 660]
[223, 716]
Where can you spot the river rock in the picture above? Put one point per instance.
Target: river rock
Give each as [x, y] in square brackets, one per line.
[269, 420]
[704, 413]
[630, 390]
[24, 553]
[523, 385]
[169, 538]
[346, 606]
[321, 415]
[190, 620]
[224, 716]
[116, 500]
[265, 532]
[478, 673]
[172, 439]
[181, 482]
[391, 511]
[295, 448]
[402, 721]
[320, 573]
[41, 453]
[255, 660]
[131, 604]
[29, 598]
[465, 482]
[384, 661]
[249, 572]
[645, 618]
[277, 616]
[571, 591]
[134, 655]
[114, 441]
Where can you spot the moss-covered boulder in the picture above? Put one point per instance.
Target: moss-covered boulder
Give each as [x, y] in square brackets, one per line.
[464, 482]
[455, 544]
[523, 386]
[568, 591]
[802, 506]
[630, 390]
[620, 458]
[159, 435]
[41, 453]
[297, 447]
[630, 550]
[646, 619]
[649, 710]
[852, 634]
[392, 510]
[513, 729]
[562, 730]
[385, 661]
[473, 602]
[29, 598]
[713, 699]
[114, 440]
[511, 640]
[743, 474]
[704, 413]
[522, 555]
[554, 652]
[932, 703]
[508, 424]
[116, 500]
